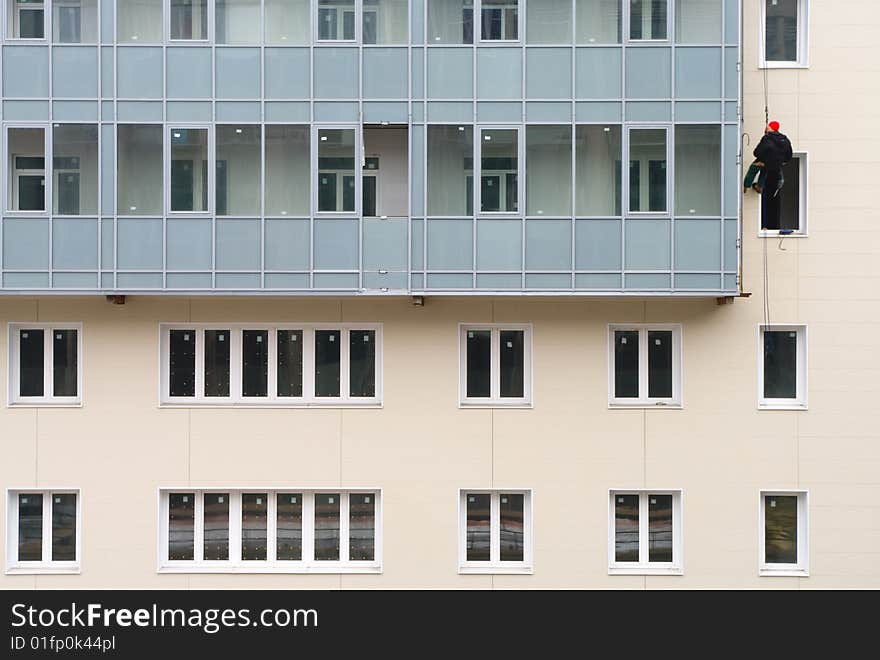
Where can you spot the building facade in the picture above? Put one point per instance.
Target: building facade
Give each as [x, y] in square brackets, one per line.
[230, 359]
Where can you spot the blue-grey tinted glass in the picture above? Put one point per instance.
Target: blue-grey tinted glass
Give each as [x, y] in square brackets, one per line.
[254, 526]
[336, 182]
[698, 21]
[499, 191]
[64, 362]
[254, 362]
[780, 364]
[479, 361]
[181, 526]
[216, 524]
[597, 168]
[660, 528]
[30, 527]
[626, 364]
[598, 21]
[362, 527]
[512, 527]
[477, 535]
[450, 170]
[288, 529]
[189, 169]
[327, 526]
[182, 363]
[781, 30]
[287, 21]
[698, 170]
[548, 170]
[139, 22]
[287, 170]
[647, 19]
[450, 22]
[75, 162]
[290, 362]
[384, 21]
[362, 359]
[780, 529]
[647, 185]
[327, 362]
[64, 527]
[626, 528]
[217, 363]
[139, 170]
[549, 22]
[30, 362]
[238, 170]
[660, 364]
[237, 21]
[512, 363]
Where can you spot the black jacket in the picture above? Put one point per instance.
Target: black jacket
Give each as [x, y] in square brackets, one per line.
[774, 150]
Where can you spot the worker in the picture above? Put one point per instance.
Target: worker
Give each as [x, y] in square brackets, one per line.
[774, 151]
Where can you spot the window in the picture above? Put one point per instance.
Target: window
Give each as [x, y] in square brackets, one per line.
[237, 171]
[451, 21]
[644, 535]
[287, 530]
[697, 171]
[26, 19]
[496, 365]
[189, 20]
[648, 20]
[385, 21]
[337, 184]
[549, 22]
[597, 170]
[139, 21]
[26, 149]
[287, 366]
[782, 372]
[287, 21]
[793, 200]
[598, 21]
[495, 531]
[190, 176]
[450, 170]
[783, 533]
[45, 364]
[75, 163]
[42, 531]
[647, 170]
[499, 20]
[784, 33]
[75, 21]
[499, 170]
[645, 363]
[548, 170]
[287, 170]
[336, 20]
[237, 21]
[698, 21]
[385, 192]
[139, 169]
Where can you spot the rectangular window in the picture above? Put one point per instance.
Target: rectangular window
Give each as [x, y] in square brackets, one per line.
[287, 21]
[792, 200]
[190, 180]
[782, 371]
[337, 185]
[385, 172]
[648, 178]
[139, 22]
[271, 365]
[189, 20]
[237, 21]
[499, 170]
[496, 365]
[44, 364]
[698, 21]
[450, 170]
[499, 20]
[784, 33]
[288, 178]
[598, 21]
[450, 21]
[495, 531]
[597, 170]
[548, 170]
[238, 170]
[549, 22]
[784, 533]
[645, 365]
[648, 20]
[75, 21]
[26, 158]
[385, 21]
[283, 530]
[43, 531]
[26, 19]
[75, 169]
[645, 533]
[336, 20]
[697, 171]
[139, 169]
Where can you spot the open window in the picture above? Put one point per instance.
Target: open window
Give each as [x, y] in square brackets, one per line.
[793, 200]
[784, 32]
[385, 172]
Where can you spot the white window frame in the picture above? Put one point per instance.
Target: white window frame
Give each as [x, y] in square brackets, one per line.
[800, 401]
[210, 161]
[627, 17]
[14, 399]
[357, 172]
[46, 565]
[477, 171]
[12, 12]
[478, 23]
[209, 37]
[802, 567]
[644, 180]
[495, 565]
[803, 39]
[643, 566]
[10, 202]
[644, 401]
[235, 398]
[803, 201]
[495, 400]
[357, 7]
[235, 564]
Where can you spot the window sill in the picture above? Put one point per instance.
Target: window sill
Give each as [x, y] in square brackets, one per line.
[495, 570]
[774, 233]
[43, 404]
[646, 570]
[494, 405]
[280, 406]
[782, 406]
[645, 406]
[43, 569]
[783, 65]
[239, 569]
[784, 572]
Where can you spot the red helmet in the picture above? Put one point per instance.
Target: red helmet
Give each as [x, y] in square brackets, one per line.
[774, 125]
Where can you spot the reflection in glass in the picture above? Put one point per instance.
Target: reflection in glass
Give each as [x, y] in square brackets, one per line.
[26, 159]
[660, 528]
[626, 528]
[64, 363]
[500, 20]
[498, 162]
[647, 19]
[660, 364]
[626, 364]
[288, 173]
[290, 362]
[548, 170]
[254, 525]
[189, 169]
[477, 538]
[450, 22]
[362, 358]
[181, 526]
[597, 170]
[75, 169]
[139, 22]
[780, 529]
[217, 362]
[548, 22]
[335, 20]
[336, 180]
[254, 362]
[237, 183]
[30, 527]
[479, 361]
[139, 168]
[216, 521]
[512, 527]
[781, 31]
[288, 543]
[780, 364]
[189, 19]
[362, 526]
[598, 21]
[182, 363]
[698, 170]
[327, 526]
[512, 363]
[385, 21]
[450, 170]
[64, 527]
[327, 362]
[698, 21]
[647, 185]
[30, 362]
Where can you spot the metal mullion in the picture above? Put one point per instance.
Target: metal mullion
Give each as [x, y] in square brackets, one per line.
[494, 364]
[46, 549]
[308, 527]
[494, 528]
[344, 527]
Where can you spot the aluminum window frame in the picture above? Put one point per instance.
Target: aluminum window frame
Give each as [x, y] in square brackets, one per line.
[802, 567]
[14, 400]
[495, 400]
[626, 19]
[803, 39]
[495, 566]
[46, 566]
[801, 401]
[644, 566]
[676, 401]
[307, 564]
[166, 22]
[13, 13]
[477, 171]
[10, 180]
[211, 159]
[803, 202]
[357, 172]
[478, 24]
[357, 6]
[626, 160]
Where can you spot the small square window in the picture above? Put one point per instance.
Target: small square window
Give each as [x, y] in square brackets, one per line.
[784, 33]
[496, 365]
[43, 531]
[645, 365]
[645, 533]
[495, 531]
[45, 364]
[784, 533]
[782, 368]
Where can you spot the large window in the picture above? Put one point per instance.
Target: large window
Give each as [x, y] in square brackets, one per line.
[644, 535]
[598, 21]
[793, 200]
[26, 171]
[385, 21]
[499, 170]
[495, 365]
[42, 531]
[139, 169]
[45, 367]
[451, 21]
[598, 170]
[697, 170]
[698, 21]
[784, 33]
[648, 181]
[337, 181]
[384, 185]
[287, 530]
[648, 20]
[286, 366]
[548, 170]
[237, 171]
[288, 172]
[26, 19]
[237, 21]
[75, 169]
[450, 170]
[139, 21]
[286, 21]
[75, 21]
[782, 369]
[190, 175]
[549, 22]
[784, 533]
[188, 20]
[495, 531]
[645, 365]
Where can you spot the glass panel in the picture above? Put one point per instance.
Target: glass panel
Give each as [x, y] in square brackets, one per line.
[287, 170]
[647, 19]
[698, 21]
[660, 528]
[660, 364]
[498, 160]
[182, 363]
[139, 21]
[30, 362]
[189, 175]
[782, 30]
[597, 166]
[26, 153]
[327, 362]
[548, 22]
[548, 170]
[500, 19]
[288, 542]
[254, 362]
[327, 526]
[385, 21]
[451, 21]
[287, 21]
[626, 528]
[30, 527]
[217, 362]
[75, 158]
[477, 539]
[450, 168]
[64, 362]
[290, 362]
[479, 363]
[64, 527]
[216, 518]
[27, 21]
[362, 527]
[238, 170]
[254, 526]
[780, 364]
[598, 21]
[697, 170]
[780, 529]
[626, 364]
[647, 147]
[237, 21]
[362, 360]
[139, 170]
[512, 527]
[75, 21]
[335, 165]
[335, 20]
[189, 19]
[512, 363]
[181, 526]
[368, 186]
[790, 204]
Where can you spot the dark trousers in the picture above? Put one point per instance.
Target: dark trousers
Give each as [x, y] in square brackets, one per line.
[771, 201]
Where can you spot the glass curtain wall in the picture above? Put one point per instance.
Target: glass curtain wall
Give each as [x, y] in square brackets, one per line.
[450, 21]
[450, 170]
[597, 21]
[75, 169]
[237, 181]
[237, 21]
[287, 21]
[597, 170]
[139, 21]
[139, 169]
[288, 169]
[548, 170]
